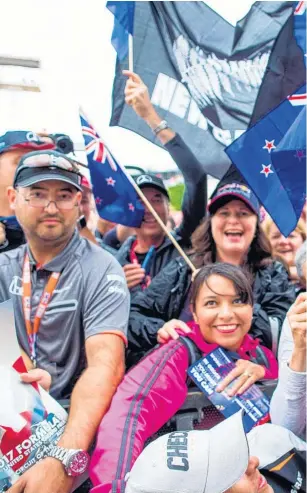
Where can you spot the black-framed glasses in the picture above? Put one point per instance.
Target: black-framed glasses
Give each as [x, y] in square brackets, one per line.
[64, 201]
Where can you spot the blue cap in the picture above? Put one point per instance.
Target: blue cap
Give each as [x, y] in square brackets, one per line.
[232, 191]
[23, 139]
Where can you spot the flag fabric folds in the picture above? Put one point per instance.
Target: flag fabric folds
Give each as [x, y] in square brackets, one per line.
[123, 25]
[271, 156]
[286, 71]
[116, 199]
[300, 26]
[204, 85]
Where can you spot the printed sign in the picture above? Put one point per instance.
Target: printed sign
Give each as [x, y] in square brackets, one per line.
[209, 371]
[31, 421]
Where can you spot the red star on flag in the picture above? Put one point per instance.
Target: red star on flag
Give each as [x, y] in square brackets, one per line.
[98, 200]
[131, 207]
[269, 145]
[110, 181]
[266, 169]
[300, 154]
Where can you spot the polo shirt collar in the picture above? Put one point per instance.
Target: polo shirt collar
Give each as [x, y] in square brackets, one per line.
[58, 263]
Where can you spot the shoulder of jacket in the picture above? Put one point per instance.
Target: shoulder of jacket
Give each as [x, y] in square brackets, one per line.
[12, 256]
[125, 248]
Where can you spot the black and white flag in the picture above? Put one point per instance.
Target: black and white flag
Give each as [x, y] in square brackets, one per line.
[203, 74]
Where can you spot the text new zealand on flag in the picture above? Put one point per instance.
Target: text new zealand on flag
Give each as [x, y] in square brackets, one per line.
[271, 156]
[203, 74]
[116, 200]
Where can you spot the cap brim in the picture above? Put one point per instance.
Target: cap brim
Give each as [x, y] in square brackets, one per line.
[214, 204]
[228, 454]
[153, 185]
[27, 182]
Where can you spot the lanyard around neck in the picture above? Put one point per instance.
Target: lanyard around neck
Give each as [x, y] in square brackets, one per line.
[32, 329]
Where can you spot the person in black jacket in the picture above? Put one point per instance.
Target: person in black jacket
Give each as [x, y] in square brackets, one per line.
[230, 234]
[133, 251]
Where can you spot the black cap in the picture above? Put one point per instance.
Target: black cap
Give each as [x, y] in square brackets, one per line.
[39, 166]
[149, 180]
[231, 191]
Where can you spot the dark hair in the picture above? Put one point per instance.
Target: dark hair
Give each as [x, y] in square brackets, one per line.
[204, 248]
[241, 281]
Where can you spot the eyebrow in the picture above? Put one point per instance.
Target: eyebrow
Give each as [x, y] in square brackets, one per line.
[64, 189]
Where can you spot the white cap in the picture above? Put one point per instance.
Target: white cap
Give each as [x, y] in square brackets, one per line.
[208, 461]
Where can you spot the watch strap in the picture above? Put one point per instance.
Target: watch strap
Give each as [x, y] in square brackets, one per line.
[59, 453]
[162, 126]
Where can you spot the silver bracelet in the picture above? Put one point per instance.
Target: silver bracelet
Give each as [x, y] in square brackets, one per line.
[162, 126]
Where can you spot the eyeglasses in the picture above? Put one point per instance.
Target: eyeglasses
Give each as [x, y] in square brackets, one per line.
[65, 201]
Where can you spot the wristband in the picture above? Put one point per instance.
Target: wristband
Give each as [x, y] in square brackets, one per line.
[162, 126]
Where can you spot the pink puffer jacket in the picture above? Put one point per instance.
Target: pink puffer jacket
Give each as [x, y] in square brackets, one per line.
[150, 394]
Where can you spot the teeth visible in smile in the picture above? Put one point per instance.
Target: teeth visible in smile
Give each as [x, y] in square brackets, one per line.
[233, 233]
[226, 328]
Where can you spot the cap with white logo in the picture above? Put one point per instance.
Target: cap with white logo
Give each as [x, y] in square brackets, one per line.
[193, 461]
[149, 180]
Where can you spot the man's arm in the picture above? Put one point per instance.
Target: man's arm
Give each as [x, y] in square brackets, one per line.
[195, 179]
[94, 390]
[90, 400]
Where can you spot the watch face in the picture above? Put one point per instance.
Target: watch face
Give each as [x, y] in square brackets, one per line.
[78, 463]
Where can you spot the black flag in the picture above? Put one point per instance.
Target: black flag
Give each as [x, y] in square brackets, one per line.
[203, 74]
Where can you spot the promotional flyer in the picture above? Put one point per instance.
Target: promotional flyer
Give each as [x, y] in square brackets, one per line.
[31, 421]
[209, 371]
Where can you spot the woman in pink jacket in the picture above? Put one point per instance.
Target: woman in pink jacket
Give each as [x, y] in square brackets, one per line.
[155, 389]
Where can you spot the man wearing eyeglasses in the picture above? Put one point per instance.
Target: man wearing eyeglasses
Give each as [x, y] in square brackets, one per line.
[13, 145]
[71, 308]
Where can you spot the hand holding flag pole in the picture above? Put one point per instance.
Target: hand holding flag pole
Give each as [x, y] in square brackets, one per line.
[114, 189]
[161, 223]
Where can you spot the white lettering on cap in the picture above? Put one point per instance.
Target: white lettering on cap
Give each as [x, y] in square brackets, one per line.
[143, 179]
[32, 136]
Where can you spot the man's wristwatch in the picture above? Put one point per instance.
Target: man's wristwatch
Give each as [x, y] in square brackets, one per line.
[162, 126]
[75, 461]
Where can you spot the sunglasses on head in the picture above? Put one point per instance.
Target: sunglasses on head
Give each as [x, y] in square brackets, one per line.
[50, 160]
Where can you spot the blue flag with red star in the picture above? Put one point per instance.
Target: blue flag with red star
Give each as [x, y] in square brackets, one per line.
[271, 156]
[116, 199]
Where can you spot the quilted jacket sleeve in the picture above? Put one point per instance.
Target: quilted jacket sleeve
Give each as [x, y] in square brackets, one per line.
[150, 394]
[154, 306]
[274, 295]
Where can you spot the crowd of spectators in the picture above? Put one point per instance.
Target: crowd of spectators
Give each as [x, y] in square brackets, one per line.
[97, 328]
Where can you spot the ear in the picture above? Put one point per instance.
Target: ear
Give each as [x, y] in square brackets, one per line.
[12, 194]
[79, 196]
[194, 314]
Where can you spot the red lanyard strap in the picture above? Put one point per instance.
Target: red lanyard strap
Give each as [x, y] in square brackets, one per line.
[32, 329]
[133, 257]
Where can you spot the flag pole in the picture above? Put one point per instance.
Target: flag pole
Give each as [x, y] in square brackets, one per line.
[130, 51]
[151, 209]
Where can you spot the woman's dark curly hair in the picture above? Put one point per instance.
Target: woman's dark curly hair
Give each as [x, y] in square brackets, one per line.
[203, 250]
